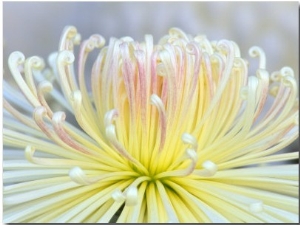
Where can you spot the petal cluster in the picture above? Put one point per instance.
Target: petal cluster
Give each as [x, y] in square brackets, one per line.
[173, 132]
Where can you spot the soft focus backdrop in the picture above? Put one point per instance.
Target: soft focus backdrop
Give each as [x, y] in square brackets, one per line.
[34, 28]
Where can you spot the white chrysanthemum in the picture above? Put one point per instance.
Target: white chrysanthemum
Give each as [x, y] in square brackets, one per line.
[175, 132]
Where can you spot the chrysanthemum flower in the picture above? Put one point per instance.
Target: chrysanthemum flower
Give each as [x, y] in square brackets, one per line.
[175, 132]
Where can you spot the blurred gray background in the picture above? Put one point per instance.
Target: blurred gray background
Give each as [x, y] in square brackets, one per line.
[34, 28]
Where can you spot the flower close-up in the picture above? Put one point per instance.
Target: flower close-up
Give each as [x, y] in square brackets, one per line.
[178, 131]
